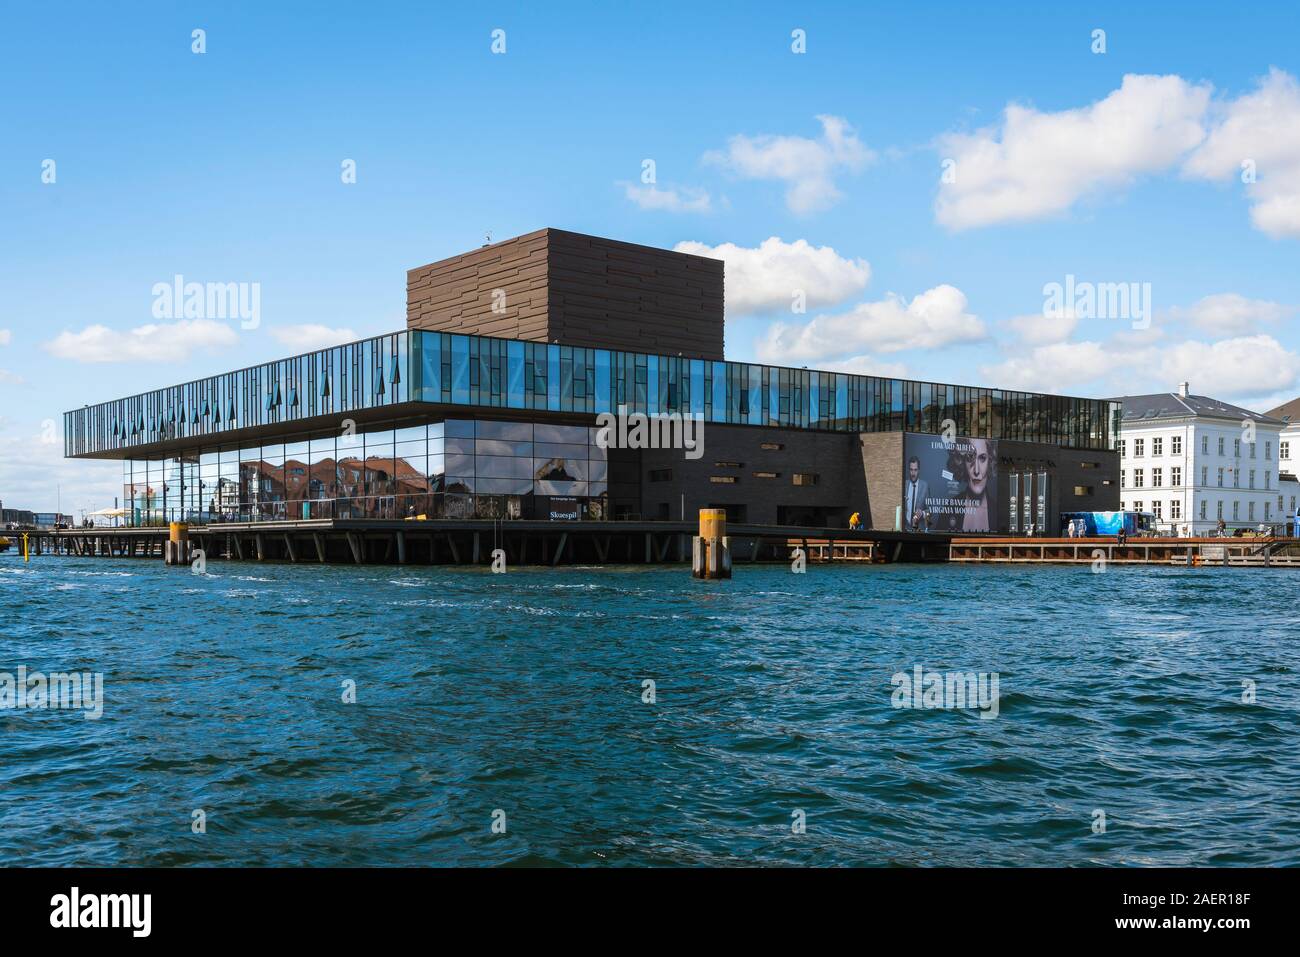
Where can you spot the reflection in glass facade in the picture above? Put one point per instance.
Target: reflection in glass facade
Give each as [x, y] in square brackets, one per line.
[456, 370]
[453, 469]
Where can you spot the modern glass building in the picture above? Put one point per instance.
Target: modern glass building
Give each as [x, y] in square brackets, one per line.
[439, 423]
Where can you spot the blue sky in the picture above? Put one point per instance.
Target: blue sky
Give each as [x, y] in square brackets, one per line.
[225, 167]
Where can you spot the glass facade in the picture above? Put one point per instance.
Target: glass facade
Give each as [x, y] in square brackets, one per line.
[453, 469]
[478, 371]
[325, 465]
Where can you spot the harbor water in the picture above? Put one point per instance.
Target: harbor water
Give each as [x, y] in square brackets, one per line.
[266, 714]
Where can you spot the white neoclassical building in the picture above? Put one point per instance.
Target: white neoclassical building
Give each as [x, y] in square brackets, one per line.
[1191, 460]
[1289, 457]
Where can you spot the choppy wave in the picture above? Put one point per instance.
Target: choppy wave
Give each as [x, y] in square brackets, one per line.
[338, 715]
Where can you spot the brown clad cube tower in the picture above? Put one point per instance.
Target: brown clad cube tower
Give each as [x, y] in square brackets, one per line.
[557, 286]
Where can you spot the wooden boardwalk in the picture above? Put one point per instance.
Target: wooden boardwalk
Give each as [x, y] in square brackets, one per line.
[1261, 551]
[473, 542]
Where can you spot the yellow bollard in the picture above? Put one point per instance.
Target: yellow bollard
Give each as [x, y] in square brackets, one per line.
[177, 549]
[713, 522]
[27, 555]
[710, 551]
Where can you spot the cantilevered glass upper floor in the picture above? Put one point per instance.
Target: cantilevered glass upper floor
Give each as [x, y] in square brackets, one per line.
[457, 371]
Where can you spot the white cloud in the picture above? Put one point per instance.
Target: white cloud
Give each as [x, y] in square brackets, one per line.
[1227, 369]
[765, 278]
[936, 317]
[1037, 329]
[1057, 367]
[311, 336]
[672, 199]
[6, 337]
[1039, 164]
[1229, 313]
[1261, 129]
[807, 166]
[156, 342]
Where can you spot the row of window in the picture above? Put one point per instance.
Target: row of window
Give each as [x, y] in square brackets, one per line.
[1176, 477]
[797, 478]
[1176, 447]
[1156, 507]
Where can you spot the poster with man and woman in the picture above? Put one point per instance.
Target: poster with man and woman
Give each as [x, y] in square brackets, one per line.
[949, 486]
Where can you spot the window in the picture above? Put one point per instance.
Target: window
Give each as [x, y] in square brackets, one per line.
[1205, 445]
[661, 475]
[1123, 477]
[1176, 476]
[1220, 478]
[1123, 447]
[1236, 478]
[1236, 511]
[1267, 507]
[1176, 445]
[728, 465]
[1250, 511]
[771, 446]
[1204, 505]
[1089, 465]
[1137, 478]
[1268, 449]
[1155, 509]
[1252, 449]
[1252, 475]
[1205, 475]
[1083, 490]
[1284, 450]
[1218, 509]
[722, 479]
[1137, 448]
[1266, 478]
[1137, 505]
[1157, 478]
[767, 475]
[805, 478]
[1157, 444]
[1236, 448]
[1175, 509]
[1220, 445]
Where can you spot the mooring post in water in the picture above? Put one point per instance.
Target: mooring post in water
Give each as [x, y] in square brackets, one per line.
[177, 550]
[711, 549]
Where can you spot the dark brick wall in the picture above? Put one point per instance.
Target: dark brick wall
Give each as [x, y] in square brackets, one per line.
[855, 473]
[1067, 468]
[578, 290]
[825, 454]
[881, 463]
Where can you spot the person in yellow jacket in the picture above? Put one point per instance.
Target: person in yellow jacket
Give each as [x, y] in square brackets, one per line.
[855, 520]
